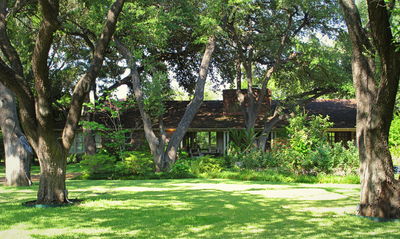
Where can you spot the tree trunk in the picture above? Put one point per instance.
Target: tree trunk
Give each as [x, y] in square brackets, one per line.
[191, 109]
[52, 159]
[268, 126]
[89, 135]
[17, 157]
[380, 191]
[152, 140]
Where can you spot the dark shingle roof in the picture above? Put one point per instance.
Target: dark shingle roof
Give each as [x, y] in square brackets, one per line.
[211, 116]
[341, 112]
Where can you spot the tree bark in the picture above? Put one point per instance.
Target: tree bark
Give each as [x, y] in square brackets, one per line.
[17, 157]
[380, 191]
[52, 159]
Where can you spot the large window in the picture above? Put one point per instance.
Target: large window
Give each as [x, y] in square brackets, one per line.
[78, 146]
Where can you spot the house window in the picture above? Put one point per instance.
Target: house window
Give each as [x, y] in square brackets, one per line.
[78, 146]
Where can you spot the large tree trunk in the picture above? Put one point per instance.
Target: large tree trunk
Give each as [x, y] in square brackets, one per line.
[17, 157]
[52, 159]
[380, 191]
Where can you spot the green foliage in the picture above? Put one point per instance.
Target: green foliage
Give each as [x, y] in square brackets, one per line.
[253, 159]
[106, 166]
[309, 152]
[181, 169]
[135, 163]
[98, 166]
[108, 110]
[305, 151]
[394, 136]
[156, 91]
[313, 64]
[282, 176]
[242, 139]
[206, 164]
[74, 158]
[307, 131]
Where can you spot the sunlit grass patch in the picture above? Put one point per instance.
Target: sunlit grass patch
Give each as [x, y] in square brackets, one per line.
[192, 208]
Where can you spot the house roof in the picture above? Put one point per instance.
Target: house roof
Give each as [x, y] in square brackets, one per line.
[341, 112]
[211, 115]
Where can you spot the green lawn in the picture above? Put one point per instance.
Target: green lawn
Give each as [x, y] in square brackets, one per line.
[192, 208]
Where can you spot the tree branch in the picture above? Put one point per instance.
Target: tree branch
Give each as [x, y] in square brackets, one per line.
[82, 88]
[151, 137]
[40, 68]
[5, 44]
[194, 105]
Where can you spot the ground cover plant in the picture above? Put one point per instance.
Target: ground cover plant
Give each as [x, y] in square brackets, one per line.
[192, 208]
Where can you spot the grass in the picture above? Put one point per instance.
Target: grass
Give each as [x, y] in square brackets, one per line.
[274, 176]
[192, 208]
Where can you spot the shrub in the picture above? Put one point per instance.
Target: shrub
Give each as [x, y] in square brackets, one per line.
[74, 158]
[181, 169]
[242, 139]
[98, 166]
[135, 163]
[205, 164]
[253, 159]
[345, 160]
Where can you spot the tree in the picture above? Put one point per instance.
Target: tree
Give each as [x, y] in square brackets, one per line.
[17, 156]
[35, 107]
[376, 72]
[174, 39]
[261, 37]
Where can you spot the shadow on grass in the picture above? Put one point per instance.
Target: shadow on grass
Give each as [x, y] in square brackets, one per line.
[162, 210]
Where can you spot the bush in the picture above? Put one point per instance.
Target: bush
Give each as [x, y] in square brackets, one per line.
[181, 169]
[135, 163]
[306, 151]
[206, 164]
[74, 158]
[345, 160]
[98, 166]
[253, 159]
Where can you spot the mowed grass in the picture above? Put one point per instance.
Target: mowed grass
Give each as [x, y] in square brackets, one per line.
[192, 208]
